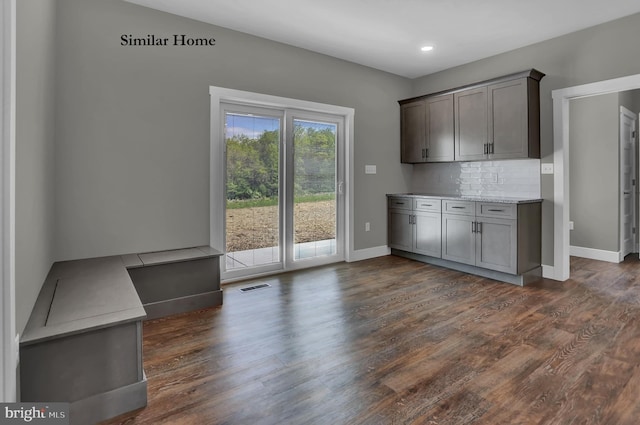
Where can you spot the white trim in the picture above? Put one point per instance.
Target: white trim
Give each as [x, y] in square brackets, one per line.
[368, 253]
[548, 272]
[561, 99]
[8, 356]
[224, 95]
[595, 254]
[624, 112]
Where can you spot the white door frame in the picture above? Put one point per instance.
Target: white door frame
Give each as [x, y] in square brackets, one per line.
[220, 95]
[561, 98]
[8, 352]
[624, 112]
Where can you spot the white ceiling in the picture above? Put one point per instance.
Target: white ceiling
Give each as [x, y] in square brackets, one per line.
[388, 34]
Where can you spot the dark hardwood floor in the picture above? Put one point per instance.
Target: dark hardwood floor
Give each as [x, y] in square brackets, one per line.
[393, 341]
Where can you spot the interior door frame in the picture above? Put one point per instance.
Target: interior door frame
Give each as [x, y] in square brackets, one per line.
[624, 112]
[561, 97]
[220, 95]
[9, 349]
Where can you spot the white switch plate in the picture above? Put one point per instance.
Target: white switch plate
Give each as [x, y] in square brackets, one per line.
[370, 169]
[571, 225]
[367, 226]
[547, 169]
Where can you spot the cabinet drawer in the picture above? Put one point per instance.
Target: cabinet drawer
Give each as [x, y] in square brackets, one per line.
[400, 203]
[458, 207]
[427, 204]
[497, 210]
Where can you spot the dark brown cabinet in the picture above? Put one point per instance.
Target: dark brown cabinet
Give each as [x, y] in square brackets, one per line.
[427, 130]
[412, 119]
[439, 128]
[471, 133]
[514, 119]
[496, 119]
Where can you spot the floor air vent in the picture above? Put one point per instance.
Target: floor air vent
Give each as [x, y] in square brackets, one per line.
[251, 288]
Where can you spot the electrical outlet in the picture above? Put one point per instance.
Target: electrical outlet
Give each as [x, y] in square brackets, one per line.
[546, 168]
[571, 225]
[367, 226]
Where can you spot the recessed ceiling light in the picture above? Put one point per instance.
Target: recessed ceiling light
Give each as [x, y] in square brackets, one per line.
[426, 48]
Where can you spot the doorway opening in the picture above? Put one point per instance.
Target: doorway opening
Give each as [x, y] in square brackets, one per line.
[561, 203]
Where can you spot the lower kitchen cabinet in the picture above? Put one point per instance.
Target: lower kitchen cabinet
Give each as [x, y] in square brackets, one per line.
[427, 234]
[501, 237]
[415, 226]
[400, 229]
[496, 244]
[480, 241]
[458, 240]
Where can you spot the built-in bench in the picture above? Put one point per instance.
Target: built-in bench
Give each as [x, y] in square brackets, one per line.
[83, 341]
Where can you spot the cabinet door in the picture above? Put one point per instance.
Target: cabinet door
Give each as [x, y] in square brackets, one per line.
[400, 230]
[412, 133]
[496, 244]
[471, 130]
[427, 232]
[508, 120]
[439, 129]
[458, 240]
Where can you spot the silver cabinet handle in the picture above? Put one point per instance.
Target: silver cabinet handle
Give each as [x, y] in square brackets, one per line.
[458, 208]
[491, 148]
[478, 227]
[473, 227]
[492, 210]
[486, 148]
[426, 205]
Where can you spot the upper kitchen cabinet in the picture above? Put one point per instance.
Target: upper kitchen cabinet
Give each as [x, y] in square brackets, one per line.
[439, 128]
[427, 129]
[495, 119]
[514, 119]
[471, 133]
[412, 133]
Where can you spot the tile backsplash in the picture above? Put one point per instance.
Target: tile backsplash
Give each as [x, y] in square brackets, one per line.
[512, 178]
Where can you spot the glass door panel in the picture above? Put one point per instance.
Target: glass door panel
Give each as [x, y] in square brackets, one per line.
[314, 188]
[253, 211]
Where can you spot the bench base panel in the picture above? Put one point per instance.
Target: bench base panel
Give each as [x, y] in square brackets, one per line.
[109, 404]
[183, 304]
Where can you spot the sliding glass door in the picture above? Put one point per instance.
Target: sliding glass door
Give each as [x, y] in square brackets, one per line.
[253, 138]
[315, 186]
[283, 206]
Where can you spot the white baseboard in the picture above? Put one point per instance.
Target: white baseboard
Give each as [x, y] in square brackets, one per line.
[595, 254]
[365, 254]
[548, 272]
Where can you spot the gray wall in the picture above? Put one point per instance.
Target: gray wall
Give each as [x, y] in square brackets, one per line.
[132, 133]
[630, 99]
[593, 172]
[35, 116]
[594, 128]
[599, 53]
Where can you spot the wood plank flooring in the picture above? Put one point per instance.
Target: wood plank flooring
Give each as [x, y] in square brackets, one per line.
[394, 341]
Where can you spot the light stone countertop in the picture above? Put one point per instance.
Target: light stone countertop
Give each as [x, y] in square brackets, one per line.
[480, 198]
